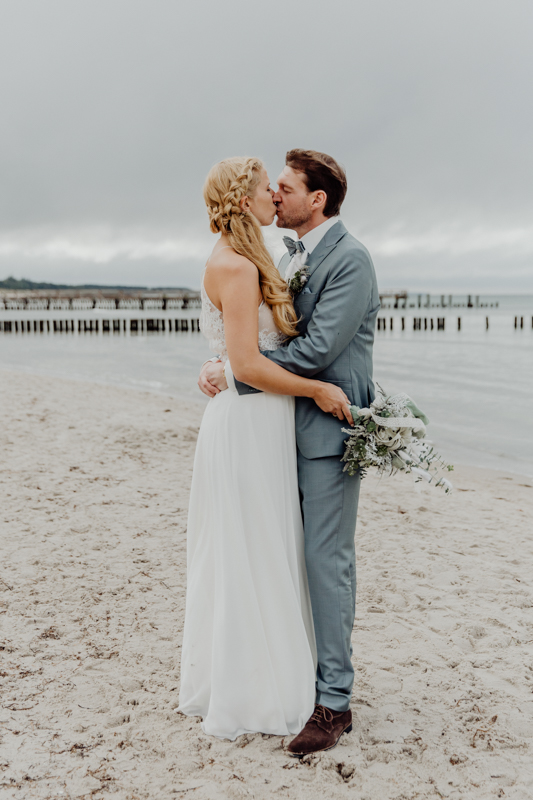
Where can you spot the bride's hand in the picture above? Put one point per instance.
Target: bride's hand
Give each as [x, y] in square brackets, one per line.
[332, 400]
[212, 379]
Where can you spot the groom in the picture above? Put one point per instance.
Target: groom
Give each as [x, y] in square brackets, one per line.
[336, 296]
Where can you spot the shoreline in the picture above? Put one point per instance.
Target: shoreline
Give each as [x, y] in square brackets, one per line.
[95, 482]
[192, 395]
[185, 396]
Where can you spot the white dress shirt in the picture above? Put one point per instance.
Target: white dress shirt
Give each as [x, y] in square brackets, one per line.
[310, 241]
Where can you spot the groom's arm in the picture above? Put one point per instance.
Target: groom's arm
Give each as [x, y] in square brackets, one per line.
[336, 318]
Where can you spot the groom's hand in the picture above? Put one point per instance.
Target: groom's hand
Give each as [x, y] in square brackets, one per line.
[212, 379]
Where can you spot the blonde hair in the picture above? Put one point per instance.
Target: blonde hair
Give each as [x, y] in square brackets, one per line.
[225, 186]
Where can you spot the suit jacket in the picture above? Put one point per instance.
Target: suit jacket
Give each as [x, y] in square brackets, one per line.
[338, 307]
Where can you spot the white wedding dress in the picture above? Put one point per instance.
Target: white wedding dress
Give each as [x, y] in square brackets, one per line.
[248, 657]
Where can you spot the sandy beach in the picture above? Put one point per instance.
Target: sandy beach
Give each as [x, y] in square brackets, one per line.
[94, 492]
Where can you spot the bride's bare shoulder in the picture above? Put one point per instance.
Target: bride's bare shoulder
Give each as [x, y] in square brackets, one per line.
[226, 264]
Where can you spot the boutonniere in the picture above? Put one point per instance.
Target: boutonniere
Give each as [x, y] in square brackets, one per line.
[298, 280]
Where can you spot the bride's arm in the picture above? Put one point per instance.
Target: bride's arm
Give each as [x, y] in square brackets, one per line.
[237, 285]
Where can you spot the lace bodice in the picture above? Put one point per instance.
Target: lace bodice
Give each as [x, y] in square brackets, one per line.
[212, 327]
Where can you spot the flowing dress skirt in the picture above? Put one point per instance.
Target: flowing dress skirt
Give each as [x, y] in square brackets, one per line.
[248, 657]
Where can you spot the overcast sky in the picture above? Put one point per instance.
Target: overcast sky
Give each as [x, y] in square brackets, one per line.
[112, 112]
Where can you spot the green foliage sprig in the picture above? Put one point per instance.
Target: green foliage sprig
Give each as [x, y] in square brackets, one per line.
[390, 437]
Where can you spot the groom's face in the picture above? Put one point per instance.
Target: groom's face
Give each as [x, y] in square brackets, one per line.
[293, 200]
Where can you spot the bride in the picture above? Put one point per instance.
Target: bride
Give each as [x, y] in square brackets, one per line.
[248, 655]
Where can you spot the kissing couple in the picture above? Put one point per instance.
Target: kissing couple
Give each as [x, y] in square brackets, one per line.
[270, 544]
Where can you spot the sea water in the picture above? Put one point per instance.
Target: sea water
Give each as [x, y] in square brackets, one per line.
[475, 384]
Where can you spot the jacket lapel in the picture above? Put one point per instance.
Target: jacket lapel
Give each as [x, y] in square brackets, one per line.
[325, 246]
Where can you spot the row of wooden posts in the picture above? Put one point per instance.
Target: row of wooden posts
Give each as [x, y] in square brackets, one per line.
[425, 323]
[417, 323]
[150, 325]
[420, 323]
[93, 325]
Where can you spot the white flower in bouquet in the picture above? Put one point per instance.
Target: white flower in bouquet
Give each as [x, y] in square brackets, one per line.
[393, 439]
[390, 436]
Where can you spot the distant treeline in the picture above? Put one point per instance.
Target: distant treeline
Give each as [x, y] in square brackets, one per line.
[13, 283]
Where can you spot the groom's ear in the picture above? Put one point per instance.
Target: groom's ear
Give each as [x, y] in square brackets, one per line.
[319, 200]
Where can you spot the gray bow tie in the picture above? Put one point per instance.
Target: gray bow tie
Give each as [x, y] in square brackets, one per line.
[293, 246]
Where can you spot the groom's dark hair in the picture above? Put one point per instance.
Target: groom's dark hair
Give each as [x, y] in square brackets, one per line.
[321, 172]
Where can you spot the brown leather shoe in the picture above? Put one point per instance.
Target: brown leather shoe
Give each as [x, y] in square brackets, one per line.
[322, 732]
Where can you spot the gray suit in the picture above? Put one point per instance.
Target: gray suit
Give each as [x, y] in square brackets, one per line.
[338, 308]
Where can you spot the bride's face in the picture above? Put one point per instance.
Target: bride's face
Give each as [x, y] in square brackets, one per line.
[261, 204]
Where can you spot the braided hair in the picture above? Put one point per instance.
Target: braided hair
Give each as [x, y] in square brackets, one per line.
[225, 186]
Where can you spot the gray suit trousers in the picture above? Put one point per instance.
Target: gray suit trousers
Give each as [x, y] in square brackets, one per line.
[329, 500]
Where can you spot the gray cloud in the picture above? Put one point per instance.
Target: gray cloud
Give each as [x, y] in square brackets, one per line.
[112, 113]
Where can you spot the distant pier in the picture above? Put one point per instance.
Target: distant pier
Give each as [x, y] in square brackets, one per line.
[400, 298]
[184, 299]
[85, 300]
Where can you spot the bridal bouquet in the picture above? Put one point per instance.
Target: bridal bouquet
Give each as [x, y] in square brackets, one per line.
[390, 436]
